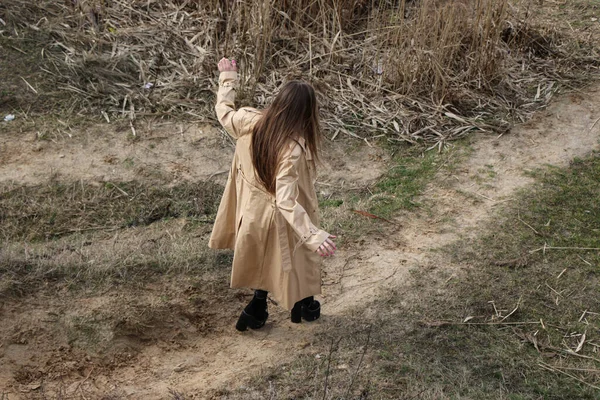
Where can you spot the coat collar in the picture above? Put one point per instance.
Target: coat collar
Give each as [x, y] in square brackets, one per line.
[302, 142]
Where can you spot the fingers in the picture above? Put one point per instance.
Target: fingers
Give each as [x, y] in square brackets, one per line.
[324, 252]
[329, 245]
[327, 248]
[226, 65]
[223, 64]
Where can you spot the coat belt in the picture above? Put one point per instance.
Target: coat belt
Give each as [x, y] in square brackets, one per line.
[280, 224]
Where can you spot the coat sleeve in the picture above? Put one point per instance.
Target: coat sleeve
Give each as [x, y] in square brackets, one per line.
[236, 122]
[286, 194]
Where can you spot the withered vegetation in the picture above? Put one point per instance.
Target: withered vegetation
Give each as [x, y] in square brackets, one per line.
[407, 70]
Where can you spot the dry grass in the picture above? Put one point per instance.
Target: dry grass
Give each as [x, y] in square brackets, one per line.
[99, 260]
[111, 268]
[419, 70]
[56, 209]
[83, 236]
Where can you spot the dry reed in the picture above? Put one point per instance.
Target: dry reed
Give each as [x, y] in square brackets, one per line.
[409, 70]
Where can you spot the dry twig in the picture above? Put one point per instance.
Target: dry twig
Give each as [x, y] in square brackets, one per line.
[552, 369]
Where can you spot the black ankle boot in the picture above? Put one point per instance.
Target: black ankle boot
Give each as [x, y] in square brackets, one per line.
[255, 314]
[308, 309]
[297, 312]
[311, 309]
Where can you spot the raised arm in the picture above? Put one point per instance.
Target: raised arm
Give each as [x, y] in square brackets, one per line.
[236, 122]
[286, 193]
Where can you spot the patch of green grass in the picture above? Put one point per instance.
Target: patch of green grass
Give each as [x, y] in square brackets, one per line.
[568, 214]
[330, 203]
[404, 181]
[410, 170]
[550, 291]
[489, 171]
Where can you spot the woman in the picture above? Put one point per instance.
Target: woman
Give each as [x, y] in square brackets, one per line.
[268, 213]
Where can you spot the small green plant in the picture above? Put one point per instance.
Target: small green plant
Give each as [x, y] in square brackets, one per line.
[403, 183]
[334, 203]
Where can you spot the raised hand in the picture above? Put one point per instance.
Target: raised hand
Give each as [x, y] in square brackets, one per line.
[328, 247]
[226, 65]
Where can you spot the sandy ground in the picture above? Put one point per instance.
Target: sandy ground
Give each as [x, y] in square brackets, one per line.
[460, 202]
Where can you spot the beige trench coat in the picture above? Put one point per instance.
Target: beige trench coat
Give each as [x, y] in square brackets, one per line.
[274, 237]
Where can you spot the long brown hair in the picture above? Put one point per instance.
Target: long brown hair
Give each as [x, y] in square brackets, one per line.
[293, 114]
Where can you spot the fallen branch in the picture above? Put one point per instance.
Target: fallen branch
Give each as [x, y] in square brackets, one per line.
[372, 216]
[594, 124]
[526, 224]
[514, 310]
[331, 351]
[446, 323]
[594, 371]
[552, 369]
[84, 380]
[544, 248]
[362, 356]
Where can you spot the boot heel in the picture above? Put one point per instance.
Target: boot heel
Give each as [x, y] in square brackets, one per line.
[248, 321]
[297, 313]
[241, 324]
[311, 311]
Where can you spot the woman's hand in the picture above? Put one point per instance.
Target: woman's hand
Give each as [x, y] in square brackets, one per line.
[328, 248]
[226, 65]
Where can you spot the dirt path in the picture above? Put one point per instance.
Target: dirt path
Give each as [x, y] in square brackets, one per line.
[460, 201]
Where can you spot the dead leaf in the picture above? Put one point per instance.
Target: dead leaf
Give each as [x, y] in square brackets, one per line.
[30, 387]
[581, 342]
